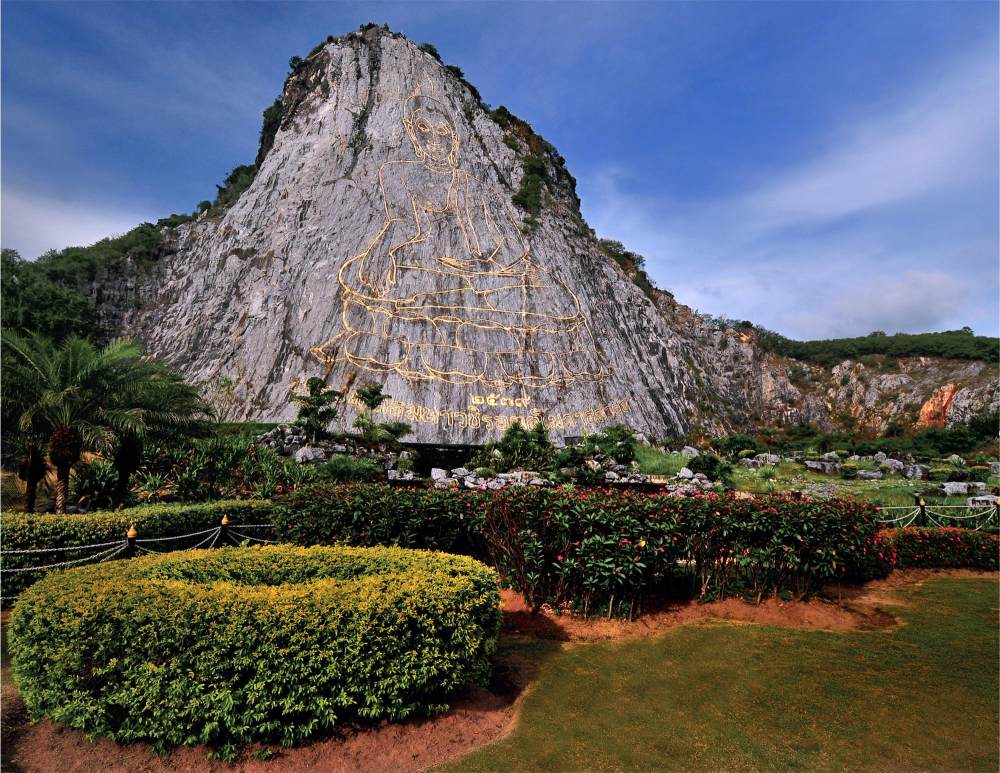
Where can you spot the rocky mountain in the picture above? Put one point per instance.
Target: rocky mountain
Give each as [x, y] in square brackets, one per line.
[399, 231]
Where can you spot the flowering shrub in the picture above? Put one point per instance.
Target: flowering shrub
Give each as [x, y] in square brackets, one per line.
[226, 647]
[596, 549]
[947, 547]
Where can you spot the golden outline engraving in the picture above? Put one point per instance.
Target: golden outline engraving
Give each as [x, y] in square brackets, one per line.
[463, 317]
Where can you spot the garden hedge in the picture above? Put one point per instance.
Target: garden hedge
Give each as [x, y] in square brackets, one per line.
[274, 644]
[46, 531]
[599, 550]
[365, 514]
[946, 547]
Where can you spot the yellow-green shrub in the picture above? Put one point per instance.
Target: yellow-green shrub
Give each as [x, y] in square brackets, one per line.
[229, 646]
[45, 532]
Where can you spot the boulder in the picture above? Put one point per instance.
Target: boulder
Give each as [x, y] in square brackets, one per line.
[824, 467]
[768, 458]
[916, 471]
[955, 488]
[641, 439]
[438, 474]
[987, 500]
[460, 472]
[994, 468]
[976, 485]
[833, 456]
[869, 474]
[308, 454]
[611, 476]
[446, 483]
[689, 452]
[894, 466]
[684, 474]
[752, 463]
[539, 482]
[880, 457]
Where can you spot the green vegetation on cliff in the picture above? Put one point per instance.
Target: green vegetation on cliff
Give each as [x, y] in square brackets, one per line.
[952, 344]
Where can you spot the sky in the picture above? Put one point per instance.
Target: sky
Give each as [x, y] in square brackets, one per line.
[822, 169]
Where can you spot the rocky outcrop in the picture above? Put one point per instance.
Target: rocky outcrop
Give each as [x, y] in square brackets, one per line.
[397, 231]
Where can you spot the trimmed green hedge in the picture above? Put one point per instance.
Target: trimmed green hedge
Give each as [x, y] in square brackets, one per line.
[274, 644]
[600, 551]
[366, 514]
[37, 532]
[947, 547]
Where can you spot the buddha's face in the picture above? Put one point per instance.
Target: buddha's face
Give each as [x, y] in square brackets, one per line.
[431, 131]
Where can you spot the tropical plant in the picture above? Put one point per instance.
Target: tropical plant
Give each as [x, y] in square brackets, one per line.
[81, 396]
[518, 449]
[385, 433]
[317, 408]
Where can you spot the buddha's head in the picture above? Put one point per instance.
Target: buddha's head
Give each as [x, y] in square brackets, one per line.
[431, 130]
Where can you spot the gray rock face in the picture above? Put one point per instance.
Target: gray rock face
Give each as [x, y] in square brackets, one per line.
[379, 239]
[379, 242]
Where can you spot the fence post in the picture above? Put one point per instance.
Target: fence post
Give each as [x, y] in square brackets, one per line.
[130, 536]
[996, 510]
[923, 511]
[223, 532]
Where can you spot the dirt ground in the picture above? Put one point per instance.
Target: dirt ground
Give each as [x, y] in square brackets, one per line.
[477, 717]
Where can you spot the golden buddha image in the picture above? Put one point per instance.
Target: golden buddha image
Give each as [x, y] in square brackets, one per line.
[447, 289]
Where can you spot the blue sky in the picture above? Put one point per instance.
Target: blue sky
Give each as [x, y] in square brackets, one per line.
[821, 169]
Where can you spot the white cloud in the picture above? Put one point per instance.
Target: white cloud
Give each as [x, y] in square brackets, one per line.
[892, 226]
[934, 140]
[33, 224]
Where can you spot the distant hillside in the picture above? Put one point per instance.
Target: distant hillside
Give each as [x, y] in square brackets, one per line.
[950, 344]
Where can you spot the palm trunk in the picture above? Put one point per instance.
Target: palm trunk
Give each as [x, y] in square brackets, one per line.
[30, 495]
[62, 488]
[31, 470]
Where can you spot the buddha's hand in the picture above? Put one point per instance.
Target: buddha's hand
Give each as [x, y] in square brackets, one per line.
[379, 283]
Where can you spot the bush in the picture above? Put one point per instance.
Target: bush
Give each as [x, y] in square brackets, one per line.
[947, 547]
[44, 532]
[380, 514]
[713, 468]
[223, 467]
[271, 644]
[93, 484]
[732, 446]
[600, 550]
[343, 468]
[518, 449]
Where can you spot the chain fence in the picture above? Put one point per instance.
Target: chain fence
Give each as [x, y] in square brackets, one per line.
[130, 546]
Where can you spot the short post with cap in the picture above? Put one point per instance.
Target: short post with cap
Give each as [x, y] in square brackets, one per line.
[130, 536]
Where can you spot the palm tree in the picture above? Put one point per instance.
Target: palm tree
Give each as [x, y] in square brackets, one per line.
[165, 404]
[100, 398]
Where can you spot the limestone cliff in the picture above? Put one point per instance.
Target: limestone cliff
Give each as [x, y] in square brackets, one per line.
[398, 231]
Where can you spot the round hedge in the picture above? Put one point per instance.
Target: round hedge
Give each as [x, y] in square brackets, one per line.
[273, 644]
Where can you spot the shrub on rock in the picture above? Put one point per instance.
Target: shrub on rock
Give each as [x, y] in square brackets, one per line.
[274, 644]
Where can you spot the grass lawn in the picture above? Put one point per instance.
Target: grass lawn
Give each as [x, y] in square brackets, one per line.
[726, 696]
